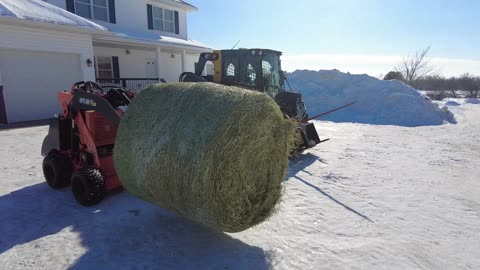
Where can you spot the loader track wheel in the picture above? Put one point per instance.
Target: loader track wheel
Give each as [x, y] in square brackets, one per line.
[57, 170]
[88, 186]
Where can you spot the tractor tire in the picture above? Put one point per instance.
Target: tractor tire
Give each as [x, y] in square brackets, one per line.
[88, 186]
[57, 170]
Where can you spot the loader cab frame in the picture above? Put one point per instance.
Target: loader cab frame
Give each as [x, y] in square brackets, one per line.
[255, 69]
[258, 70]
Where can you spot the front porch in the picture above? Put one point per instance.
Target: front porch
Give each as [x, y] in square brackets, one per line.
[135, 67]
[134, 84]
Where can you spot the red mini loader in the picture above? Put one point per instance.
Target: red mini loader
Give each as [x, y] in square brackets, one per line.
[79, 146]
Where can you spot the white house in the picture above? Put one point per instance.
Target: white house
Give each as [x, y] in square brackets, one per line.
[46, 46]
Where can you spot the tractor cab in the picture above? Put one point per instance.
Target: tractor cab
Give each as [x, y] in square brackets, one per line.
[254, 69]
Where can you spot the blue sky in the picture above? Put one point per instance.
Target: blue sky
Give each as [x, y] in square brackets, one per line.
[326, 33]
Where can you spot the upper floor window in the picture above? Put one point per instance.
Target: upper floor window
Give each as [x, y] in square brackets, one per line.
[92, 9]
[164, 20]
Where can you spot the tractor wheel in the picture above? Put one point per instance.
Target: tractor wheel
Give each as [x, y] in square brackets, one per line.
[57, 170]
[88, 186]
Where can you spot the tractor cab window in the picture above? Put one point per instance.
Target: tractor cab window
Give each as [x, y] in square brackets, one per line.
[230, 70]
[208, 69]
[246, 75]
[271, 74]
[251, 76]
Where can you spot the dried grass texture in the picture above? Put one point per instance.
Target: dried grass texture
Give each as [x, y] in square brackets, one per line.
[211, 153]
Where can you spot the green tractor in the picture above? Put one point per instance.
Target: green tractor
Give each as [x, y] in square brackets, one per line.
[257, 70]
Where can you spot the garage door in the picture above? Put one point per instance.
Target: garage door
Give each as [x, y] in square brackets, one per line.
[31, 81]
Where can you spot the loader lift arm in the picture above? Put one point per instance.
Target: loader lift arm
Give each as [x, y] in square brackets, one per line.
[84, 96]
[84, 101]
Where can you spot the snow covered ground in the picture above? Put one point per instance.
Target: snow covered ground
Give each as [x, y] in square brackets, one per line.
[374, 197]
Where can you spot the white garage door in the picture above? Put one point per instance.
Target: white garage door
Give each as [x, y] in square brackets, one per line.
[32, 80]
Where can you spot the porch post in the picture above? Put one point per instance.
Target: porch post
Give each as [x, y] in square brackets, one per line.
[184, 60]
[88, 71]
[159, 66]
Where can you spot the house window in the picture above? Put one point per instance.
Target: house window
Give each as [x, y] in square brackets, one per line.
[163, 20]
[92, 9]
[104, 67]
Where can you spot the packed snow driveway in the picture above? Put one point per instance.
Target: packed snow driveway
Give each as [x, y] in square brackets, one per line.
[374, 197]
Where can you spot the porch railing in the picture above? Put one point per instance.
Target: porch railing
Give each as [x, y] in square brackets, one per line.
[133, 84]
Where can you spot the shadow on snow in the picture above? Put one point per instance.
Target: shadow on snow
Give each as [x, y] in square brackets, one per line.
[302, 161]
[122, 233]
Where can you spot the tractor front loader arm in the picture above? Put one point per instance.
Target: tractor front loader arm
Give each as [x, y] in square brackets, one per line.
[83, 101]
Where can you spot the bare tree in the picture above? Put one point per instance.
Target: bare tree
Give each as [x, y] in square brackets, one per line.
[394, 75]
[452, 86]
[416, 66]
[469, 84]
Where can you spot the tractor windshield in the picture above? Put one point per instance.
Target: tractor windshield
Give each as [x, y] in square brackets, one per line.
[271, 74]
[253, 69]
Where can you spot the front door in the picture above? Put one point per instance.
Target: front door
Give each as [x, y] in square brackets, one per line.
[151, 68]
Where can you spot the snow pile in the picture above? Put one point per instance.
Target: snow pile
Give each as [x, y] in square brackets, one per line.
[379, 102]
[452, 103]
[2, 12]
[472, 101]
[36, 10]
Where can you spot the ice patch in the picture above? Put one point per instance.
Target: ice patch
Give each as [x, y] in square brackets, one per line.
[379, 102]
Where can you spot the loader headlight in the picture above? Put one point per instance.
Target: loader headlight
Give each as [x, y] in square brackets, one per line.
[84, 158]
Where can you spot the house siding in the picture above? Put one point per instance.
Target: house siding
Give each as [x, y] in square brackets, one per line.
[132, 15]
[133, 65]
[21, 38]
[190, 62]
[174, 64]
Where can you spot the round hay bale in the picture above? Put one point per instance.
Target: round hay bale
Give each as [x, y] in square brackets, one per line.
[211, 153]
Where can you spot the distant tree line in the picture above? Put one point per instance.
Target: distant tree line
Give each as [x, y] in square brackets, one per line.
[417, 72]
[439, 87]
